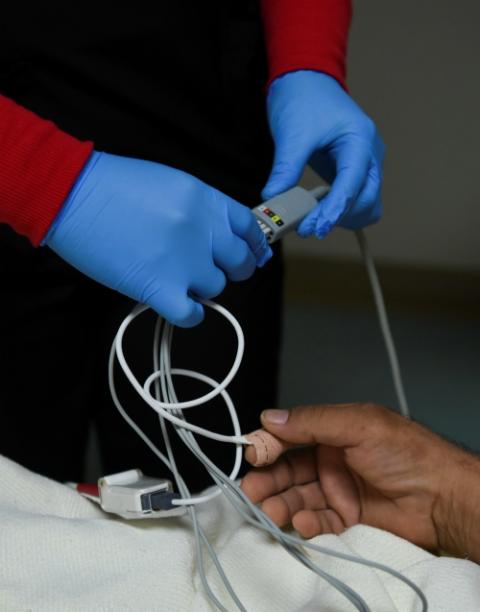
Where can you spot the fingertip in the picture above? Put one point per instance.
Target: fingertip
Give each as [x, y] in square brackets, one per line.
[276, 186]
[263, 259]
[367, 209]
[250, 454]
[307, 226]
[262, 251]
[175, 306]
[306, 524]
[321, 220]
[268, 192]
[245, 226]
[290, 426]
[271, 508]
[265, 448]
[288, 166]
[193, 315]
[274, 417]
[323, 228]
[248, 486]
[333, 206]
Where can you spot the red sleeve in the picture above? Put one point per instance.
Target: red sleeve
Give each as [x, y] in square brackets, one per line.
[306, 34]
[38, 166]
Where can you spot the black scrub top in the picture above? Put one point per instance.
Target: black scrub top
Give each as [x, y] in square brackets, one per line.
[180, 83]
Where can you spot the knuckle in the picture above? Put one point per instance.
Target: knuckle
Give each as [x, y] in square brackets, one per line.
[188, 191]
[377, 418]
[309, 418]
[373, 409]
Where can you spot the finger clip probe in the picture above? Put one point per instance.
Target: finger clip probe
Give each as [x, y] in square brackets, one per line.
[132, 495]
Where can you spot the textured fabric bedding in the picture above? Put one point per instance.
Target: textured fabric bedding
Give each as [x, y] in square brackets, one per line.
[60, 552]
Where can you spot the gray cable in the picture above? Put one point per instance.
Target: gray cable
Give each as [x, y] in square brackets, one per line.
[226, 482]
[262, 521]
[384, 323]
[318, 193]
[199, 535]
[198, 531]
[185, 435]
[223, 481]
[167, 387]
[164, 388]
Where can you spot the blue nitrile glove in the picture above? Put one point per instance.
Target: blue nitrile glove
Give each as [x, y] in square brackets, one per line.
[156, 234]
[313, 119]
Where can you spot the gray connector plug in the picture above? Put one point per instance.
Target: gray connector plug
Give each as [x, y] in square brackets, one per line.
[283, 213]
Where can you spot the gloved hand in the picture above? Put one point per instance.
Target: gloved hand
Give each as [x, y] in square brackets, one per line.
[156, 234]
[312, 118]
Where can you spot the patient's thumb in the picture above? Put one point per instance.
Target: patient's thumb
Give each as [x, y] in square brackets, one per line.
[335, 425]
[290, 426]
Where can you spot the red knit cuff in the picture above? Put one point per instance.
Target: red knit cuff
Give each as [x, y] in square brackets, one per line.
[39, 164]
[306, 35]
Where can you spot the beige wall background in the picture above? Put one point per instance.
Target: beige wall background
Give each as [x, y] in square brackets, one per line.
[414, 67]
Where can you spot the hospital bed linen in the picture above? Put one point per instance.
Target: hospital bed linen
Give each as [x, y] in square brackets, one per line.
[60, 552]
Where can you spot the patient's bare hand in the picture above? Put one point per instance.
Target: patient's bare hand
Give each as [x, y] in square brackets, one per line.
[366, 464]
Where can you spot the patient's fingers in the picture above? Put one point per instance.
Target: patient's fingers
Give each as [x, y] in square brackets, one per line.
[310, 523]
[338, 484]
[294, 469]
[282, 508]
[264, 448]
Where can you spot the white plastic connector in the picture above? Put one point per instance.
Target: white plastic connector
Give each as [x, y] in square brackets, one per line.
[132, 495]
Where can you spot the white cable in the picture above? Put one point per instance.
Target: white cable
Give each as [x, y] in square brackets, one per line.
[164, 373]
[161, 407]
[165, 402]
[170, 463]
[169, 392]
[318, 192]
[208, 396]
[163, 386]
[384, 324]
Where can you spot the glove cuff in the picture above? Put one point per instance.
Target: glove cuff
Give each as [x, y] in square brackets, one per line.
[87, 168]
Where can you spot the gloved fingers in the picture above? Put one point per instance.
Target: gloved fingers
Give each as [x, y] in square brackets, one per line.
[290, 159]
[368, 207]
[234, 257]
[209, 284]
[323, 164]
[352, 163]
[245, 226]
[378, 154]
[176, 306]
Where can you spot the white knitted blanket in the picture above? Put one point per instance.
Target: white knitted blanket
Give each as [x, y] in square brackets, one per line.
[59, 552]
